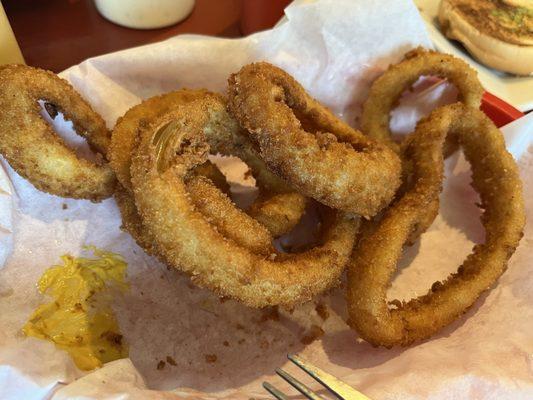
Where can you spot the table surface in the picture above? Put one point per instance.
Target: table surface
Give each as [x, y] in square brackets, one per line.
[55, 34]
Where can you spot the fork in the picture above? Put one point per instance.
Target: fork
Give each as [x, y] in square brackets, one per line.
[339, 388]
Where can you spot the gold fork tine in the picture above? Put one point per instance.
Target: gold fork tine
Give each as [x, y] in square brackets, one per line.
[295, 383]
[335, 385]
[274, 392]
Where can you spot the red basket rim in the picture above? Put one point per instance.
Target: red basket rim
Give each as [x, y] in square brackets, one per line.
[498, 110]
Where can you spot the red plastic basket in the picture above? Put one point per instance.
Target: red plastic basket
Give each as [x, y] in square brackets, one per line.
[500, 112]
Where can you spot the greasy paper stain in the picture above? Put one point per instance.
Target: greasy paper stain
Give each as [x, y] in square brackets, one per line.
[79, 319]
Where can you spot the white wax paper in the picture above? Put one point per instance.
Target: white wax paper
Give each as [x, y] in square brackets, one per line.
[224, 350]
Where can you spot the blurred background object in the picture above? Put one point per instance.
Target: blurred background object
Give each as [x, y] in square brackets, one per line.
[258, 15]
[144, 14]
[9, 49]
[56, 34]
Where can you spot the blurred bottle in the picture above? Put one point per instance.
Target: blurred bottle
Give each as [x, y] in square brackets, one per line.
[9, 49]
[258, 15]
[145, 14]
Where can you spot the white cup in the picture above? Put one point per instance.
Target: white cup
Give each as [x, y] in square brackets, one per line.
[144, 14]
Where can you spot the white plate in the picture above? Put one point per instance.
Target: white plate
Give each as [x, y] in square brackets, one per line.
[515, 90]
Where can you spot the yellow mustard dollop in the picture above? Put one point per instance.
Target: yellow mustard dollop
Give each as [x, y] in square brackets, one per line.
[80, 319]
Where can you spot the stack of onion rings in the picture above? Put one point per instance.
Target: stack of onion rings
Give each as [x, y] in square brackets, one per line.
[177, 206]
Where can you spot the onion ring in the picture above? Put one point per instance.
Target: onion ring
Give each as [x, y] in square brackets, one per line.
[35, 151]
[495, 177]
[236, 225]
[310, 148]
[386, 91]
[190, 243]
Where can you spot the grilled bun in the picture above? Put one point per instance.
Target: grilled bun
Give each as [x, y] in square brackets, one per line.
[499, 33]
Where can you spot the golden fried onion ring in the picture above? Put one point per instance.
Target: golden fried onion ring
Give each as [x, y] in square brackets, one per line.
[386, 91]
[189, 242]
[495, 177]
[35, 151]
[125, 130]
[305, 144]
[132, 223]
[122, 143]
[216, 205]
